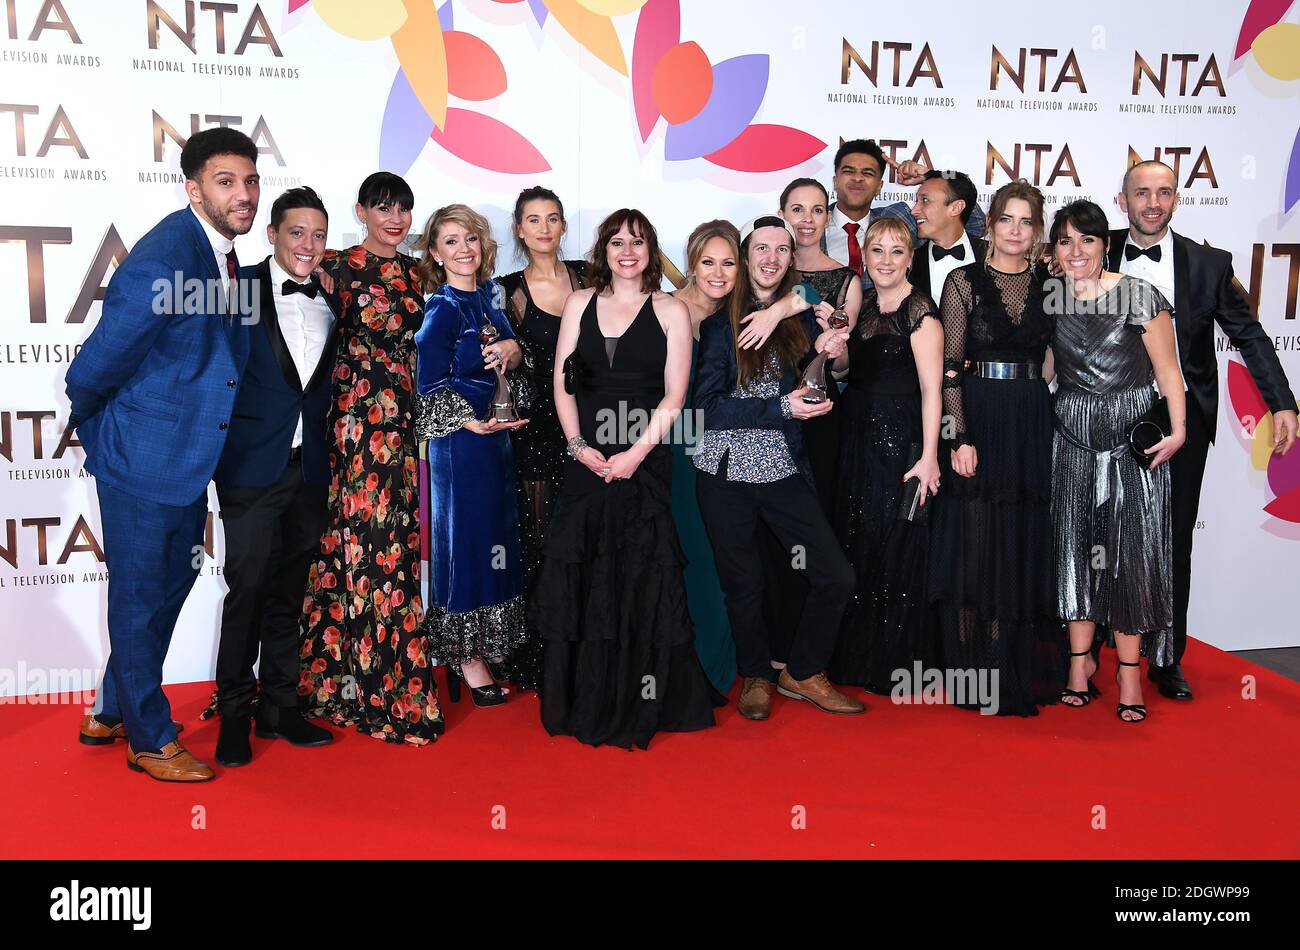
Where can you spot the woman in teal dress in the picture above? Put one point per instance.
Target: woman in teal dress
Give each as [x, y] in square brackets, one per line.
[712, 253]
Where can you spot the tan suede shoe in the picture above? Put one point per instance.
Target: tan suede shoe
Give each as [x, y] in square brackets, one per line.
[817, 689]
[94, 732]
[756, 698]
[172, 764]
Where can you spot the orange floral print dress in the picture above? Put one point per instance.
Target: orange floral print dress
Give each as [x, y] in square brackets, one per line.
[364, 659]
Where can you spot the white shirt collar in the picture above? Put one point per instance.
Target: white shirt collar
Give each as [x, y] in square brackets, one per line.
[220, 243]
[963, 241]
[1166, 243]
[839, 218]
[279, 275]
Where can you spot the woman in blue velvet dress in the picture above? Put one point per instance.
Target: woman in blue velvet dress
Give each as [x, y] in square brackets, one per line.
[475, 605]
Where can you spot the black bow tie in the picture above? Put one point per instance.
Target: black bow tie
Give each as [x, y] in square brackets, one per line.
[958, 252]
[1132, 252]
[308, 289]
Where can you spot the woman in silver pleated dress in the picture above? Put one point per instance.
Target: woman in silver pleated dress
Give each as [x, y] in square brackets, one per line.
[1113, 337]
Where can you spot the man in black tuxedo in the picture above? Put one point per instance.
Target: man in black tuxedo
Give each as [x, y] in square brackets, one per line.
[1198, 282]
[272, 482]
[943, 207]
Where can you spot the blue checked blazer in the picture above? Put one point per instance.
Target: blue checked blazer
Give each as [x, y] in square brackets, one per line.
[153, 386]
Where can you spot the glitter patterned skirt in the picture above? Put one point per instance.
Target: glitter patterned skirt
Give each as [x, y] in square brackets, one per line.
[1111, 518]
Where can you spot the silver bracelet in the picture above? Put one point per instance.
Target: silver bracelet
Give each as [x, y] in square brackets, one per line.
[576, 445]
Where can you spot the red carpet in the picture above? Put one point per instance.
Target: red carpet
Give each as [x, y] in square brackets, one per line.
[1214, 778]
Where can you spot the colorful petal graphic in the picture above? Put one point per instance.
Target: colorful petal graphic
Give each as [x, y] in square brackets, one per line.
[1284, 472]
[483, 141]
[767, 148]
[296, 5]
[658, 28]
[1261, 443]
[1277, 50]
[1285, 507]
[738, 87]
[1292, 192]
[368, 21]
[1247, 404]
[446, 17]
[612, 7]
[539, 10]
[594, 32]
[1260, 15]
[682, 82]
[474, 71]
[405, 129]
[423, 57]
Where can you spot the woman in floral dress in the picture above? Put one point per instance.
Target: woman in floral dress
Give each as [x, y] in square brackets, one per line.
[365, 661]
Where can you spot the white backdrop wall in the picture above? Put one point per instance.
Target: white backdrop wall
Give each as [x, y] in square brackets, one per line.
[95, 93]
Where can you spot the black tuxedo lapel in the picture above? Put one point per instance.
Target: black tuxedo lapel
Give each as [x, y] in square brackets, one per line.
[271, 325]
[1116, 251]
[1182, 293]
[921, 268]
[329, 352]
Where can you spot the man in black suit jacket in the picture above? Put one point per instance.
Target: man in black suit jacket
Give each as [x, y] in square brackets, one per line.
[273, 481]
[944, 204]
[1198, 282]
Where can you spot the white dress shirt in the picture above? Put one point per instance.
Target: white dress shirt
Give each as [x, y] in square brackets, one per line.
[304, 324]
[221, 246]
[939, 270]
[837, 239]
[1160, 273]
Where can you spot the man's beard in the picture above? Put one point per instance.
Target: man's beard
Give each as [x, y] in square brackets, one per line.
[1143, 228]
[221, 220]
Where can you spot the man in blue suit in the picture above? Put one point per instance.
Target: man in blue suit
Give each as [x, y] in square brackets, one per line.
[152, 391]
[273, 483]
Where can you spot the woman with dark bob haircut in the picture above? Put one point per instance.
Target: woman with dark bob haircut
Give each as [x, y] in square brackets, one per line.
[1113, 337]
[365, 659]
[619, 660]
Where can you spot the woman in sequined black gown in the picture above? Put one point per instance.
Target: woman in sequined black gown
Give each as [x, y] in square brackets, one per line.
[534, 299]
[991, 563]
[892, 408]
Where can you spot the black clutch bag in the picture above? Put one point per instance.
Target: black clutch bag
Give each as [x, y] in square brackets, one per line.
[575, 373]
[1152, 426]
[910, 507]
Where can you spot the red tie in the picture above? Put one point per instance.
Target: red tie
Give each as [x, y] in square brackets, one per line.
[232, 268]
[855, 250]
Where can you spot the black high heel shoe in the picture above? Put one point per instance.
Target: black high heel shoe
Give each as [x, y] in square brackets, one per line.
[483, 696]
[1084, 696]
[1139, 709]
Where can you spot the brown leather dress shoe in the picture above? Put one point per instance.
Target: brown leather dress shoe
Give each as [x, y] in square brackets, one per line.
[817, 689]
[756, 697]
[172, 764]
[94, 732]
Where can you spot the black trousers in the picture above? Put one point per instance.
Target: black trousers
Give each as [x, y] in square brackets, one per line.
[272, 533]
[733, 513]
[1186, 472]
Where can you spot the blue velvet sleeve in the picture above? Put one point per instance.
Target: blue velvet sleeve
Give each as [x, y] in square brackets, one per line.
[445, 402]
